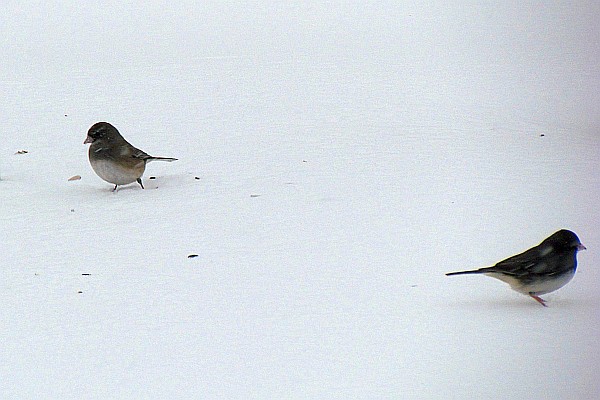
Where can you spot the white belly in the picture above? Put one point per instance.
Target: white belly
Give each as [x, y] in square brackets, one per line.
[113, 173]
[550, 286]
[538, 288]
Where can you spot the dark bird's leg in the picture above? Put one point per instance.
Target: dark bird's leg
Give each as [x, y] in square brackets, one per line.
[115, 188]
[139, 180]
[538, 299]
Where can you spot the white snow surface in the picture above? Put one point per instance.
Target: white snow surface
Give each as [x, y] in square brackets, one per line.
[335, 160]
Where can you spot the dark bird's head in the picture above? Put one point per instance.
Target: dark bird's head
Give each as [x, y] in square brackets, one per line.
[564, 240]
[102, 132]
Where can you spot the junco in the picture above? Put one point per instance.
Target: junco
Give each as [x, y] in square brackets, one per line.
[114, 159]
[542, 269]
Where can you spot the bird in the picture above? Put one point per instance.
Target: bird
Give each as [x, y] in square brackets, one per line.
[115, 160]
[539, 270]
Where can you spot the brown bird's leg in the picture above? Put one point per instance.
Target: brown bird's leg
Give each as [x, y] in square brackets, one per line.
[538, 299]
[139, 180]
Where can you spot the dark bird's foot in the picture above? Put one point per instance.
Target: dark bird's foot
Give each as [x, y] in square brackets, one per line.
[538, 299]
[115, 188]
[139, 180]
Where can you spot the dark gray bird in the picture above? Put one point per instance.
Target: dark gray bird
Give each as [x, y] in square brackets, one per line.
[539, 270]
[114, 159]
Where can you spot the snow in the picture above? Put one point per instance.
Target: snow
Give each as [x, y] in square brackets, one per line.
[335, 160]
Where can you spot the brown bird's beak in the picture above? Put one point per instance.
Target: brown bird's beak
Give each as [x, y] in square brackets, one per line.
[88, 140]
[581, 247]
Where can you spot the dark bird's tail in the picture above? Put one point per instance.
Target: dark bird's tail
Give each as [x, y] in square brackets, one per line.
[475, 271]
[169, 159]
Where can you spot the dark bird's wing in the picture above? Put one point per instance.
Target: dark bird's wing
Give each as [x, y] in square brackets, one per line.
[537, 260]
[530, 261]
[137, 153]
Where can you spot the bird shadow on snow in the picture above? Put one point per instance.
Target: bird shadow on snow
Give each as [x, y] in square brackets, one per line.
[523, 303]
[169, 180]
[151, 182]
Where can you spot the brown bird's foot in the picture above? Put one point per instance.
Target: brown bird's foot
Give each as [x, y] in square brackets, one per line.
[538, 299]
[139, 180]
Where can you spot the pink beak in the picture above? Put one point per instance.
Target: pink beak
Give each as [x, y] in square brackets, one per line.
[88, 140]
[581, 247]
